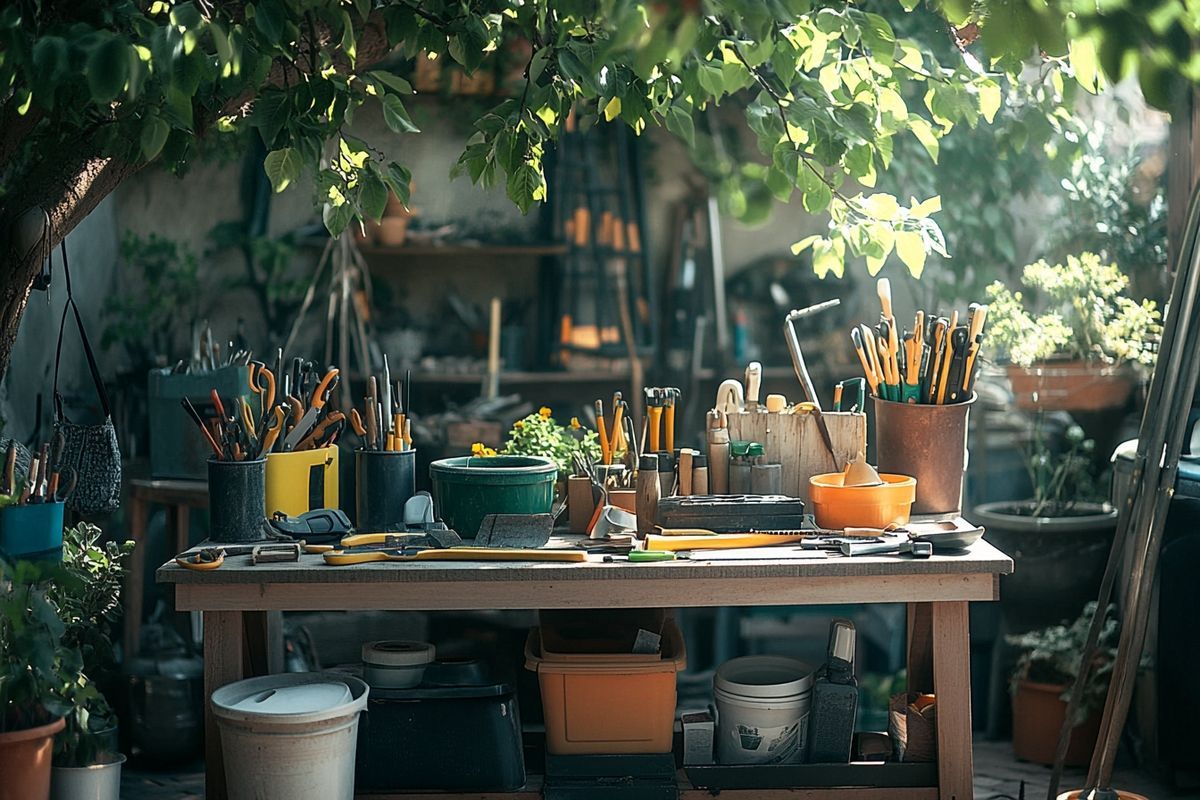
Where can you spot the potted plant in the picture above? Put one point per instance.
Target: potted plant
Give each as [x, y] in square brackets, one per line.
[32, 657]
[1041, 684]
[87, 761]
[1059, 538]
[540, 435]
[1071, 342]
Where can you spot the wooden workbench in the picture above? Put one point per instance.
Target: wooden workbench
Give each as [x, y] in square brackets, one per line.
[936, 590]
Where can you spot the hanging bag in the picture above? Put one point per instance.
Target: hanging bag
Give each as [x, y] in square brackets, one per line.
[91, 451]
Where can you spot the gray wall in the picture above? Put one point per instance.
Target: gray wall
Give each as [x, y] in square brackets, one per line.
[92, 250]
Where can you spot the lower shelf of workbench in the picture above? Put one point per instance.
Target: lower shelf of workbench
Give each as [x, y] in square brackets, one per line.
[857, 781]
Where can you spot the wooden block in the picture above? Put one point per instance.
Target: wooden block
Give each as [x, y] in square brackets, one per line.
[794, 442]
[461, 435]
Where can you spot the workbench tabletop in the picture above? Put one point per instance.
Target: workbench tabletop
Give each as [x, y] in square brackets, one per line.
[311, 569]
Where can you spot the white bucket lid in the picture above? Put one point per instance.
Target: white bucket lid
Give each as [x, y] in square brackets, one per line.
[764, 676]
[299, 698]
[397, 653]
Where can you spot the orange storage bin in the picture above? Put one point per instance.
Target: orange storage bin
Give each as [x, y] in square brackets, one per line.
[608, 706]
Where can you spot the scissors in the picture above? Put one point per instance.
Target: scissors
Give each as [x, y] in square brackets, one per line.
[262, 382]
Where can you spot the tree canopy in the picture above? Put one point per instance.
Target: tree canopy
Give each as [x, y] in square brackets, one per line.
[91, 92]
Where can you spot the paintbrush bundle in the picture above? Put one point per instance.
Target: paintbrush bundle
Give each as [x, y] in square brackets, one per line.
[934, 363]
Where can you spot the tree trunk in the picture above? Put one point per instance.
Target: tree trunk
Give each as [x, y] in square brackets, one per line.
[65, 192]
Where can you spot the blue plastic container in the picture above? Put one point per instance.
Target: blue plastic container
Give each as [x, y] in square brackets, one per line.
[32, 532]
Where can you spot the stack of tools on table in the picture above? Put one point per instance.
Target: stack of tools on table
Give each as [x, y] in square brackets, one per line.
[934, 363]
[384, 424]
[31, 508]
[295, 415]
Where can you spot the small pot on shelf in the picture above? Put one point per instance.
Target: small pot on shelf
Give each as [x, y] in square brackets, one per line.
[1071, 385]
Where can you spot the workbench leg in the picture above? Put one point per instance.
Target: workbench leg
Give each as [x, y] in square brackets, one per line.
[138, 519]
[920, 648]
[223, 648]
[183, 533]
[952, 685]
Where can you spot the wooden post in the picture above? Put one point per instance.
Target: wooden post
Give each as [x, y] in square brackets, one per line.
[133, 589]
[223, 648]
[952, 685]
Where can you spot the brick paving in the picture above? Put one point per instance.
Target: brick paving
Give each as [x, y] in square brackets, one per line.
[998, 776]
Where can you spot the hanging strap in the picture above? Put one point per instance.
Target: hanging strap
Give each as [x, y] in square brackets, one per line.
[87, 347]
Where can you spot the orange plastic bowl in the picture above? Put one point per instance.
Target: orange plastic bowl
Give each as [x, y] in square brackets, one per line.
[836, 506]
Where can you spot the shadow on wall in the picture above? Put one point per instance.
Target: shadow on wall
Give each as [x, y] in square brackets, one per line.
[92, 248]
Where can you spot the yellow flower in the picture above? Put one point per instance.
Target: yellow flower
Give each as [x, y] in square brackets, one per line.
[545, 412]
[519, 424]
[575, 424]
[480, 449]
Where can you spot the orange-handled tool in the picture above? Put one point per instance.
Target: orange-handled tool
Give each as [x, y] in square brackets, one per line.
[602, 434]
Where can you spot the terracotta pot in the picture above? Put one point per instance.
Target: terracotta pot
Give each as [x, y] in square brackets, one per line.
[392, 231]
[1038, 714]
[1071, 385]
[25, 762]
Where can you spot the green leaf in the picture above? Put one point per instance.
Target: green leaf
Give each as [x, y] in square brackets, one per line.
[612, 109]
[711, 79]
[816, 193]
[880, 206]
[880, 39]
[50, 57]
[680, 123]
[391, 81]
[525, 186]
[829, 255]
[108, 69]
[805, 243]
[396, 116]
[283, 167]
[336, 218]
[269, 19]
[910, 246]
[989, 99]
[154, 135]
[921, 129]
[1083, 58]
[399, 180]
[374, 195]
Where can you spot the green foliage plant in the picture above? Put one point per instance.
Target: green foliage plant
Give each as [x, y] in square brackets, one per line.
[33, 657]
[540, 435]
[1051, 656]
[87, 597]
[1075, 310]
[1061, 479]
[156, 302]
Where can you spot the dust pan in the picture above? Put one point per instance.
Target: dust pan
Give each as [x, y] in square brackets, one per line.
[860, 473]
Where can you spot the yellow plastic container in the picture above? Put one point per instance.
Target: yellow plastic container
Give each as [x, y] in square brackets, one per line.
[302, 481]
[836, 506]
[608, 706]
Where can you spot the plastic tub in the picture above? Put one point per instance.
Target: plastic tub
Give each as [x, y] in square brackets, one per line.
[762, 710]
[609, 707]
[467, 489]
[32, 532]
[836, 506]
[395, 664]
[290, 737]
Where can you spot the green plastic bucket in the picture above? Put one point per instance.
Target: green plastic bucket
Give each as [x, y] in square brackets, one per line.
[467, 489]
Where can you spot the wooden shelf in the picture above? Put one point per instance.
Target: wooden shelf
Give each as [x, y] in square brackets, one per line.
[462, 250]
[442, 378]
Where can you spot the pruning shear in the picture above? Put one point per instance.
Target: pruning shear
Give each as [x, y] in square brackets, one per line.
[262, 382]
[202, 560]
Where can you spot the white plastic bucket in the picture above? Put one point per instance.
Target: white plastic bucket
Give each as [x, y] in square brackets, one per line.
[762, 710]
[290, 737]
[97, 782]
